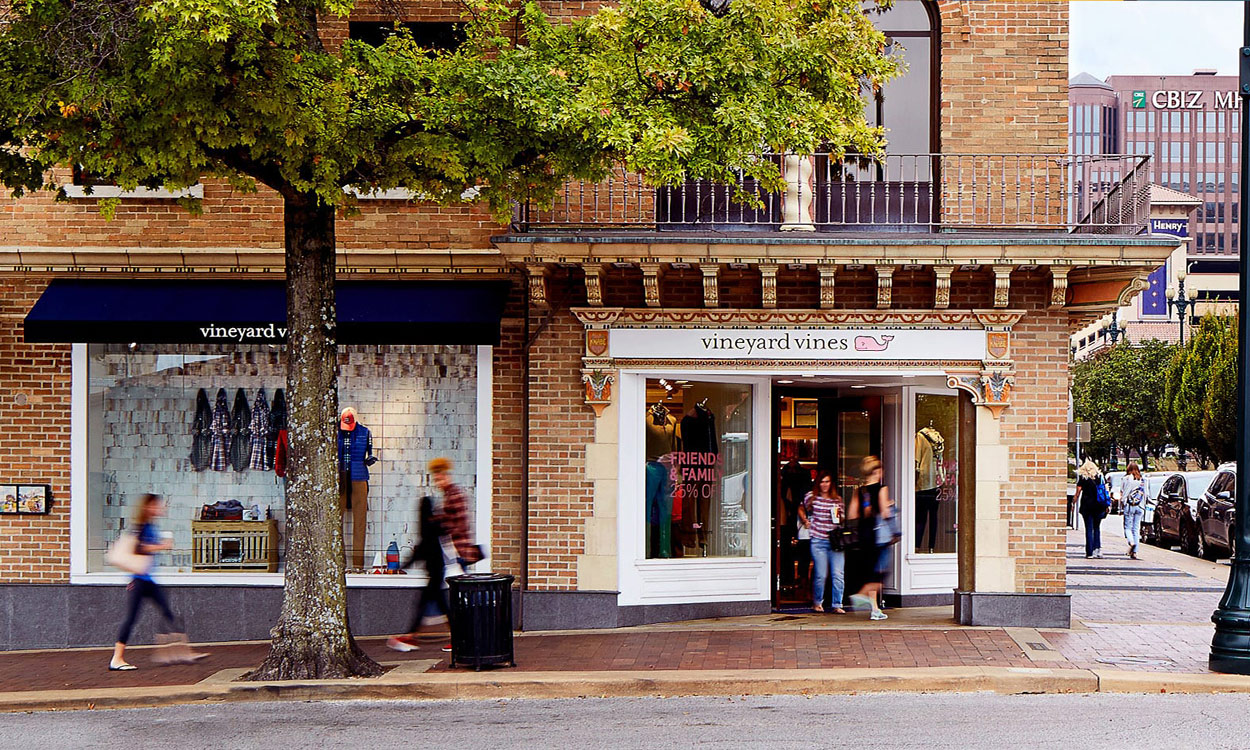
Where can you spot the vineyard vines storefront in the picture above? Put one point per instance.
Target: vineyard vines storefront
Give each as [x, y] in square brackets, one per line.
[721, 414]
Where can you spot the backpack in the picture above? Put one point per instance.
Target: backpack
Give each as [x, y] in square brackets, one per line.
[1104, 497]
[1136, 497]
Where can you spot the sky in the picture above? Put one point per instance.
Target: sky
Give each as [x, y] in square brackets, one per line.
[1154, 37]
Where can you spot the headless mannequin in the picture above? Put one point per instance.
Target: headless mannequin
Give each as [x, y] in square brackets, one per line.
[698, 433]
[929, 448]
[661, 439]
[355, 448]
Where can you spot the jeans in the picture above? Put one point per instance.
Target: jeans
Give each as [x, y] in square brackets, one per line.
[1093, 532]
[146, 588]
[926, 515]
[1132, 523]
[829, 563]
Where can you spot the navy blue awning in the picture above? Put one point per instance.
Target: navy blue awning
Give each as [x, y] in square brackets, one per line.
[217, 311]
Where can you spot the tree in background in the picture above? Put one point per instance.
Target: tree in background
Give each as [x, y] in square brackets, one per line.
[1200, 354]
[166, 92]
[1119, 392]
[1219, 408]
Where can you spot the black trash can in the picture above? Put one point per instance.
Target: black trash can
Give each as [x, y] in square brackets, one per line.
[481, 619]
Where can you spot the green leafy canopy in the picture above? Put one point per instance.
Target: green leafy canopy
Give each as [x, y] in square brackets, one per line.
[164, 92]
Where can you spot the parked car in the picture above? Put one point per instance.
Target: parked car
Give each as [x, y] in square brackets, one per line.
[1175, 518]
[1214, 537]
[1154, 488]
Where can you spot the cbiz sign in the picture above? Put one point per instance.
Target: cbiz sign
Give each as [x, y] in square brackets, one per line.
[1186, 99]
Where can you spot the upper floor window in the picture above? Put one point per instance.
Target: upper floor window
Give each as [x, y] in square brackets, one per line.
[905, 105]
[432, 35]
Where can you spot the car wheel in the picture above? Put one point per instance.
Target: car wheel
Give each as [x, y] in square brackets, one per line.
[1148, 533]
[1201, 548]
[1187, 540]
[1156, 534]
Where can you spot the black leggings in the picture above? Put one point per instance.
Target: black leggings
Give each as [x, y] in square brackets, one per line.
[140, 589]
[927, 514]
[432, 594]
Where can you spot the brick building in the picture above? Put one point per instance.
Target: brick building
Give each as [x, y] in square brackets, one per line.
[636, 413]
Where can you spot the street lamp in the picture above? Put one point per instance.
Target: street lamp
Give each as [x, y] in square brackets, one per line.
[1181, 303]
[1114, 331]
[1230, 647]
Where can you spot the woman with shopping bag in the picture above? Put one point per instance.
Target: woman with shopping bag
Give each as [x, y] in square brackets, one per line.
[134, 552]
[872, 513]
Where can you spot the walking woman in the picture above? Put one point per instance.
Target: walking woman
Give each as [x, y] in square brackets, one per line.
[1092, 511]
[1133, 491]
[872, 503]
[432, 606]
[149, 542]
[822, 512]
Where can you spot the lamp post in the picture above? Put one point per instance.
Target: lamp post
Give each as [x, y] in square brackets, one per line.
[1230, 647]
[1178, 301]
[1114, 331]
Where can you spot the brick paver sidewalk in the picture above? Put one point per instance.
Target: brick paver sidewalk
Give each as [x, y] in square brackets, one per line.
[1151, 614]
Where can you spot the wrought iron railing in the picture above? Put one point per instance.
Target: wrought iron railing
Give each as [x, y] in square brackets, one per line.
[899, 192]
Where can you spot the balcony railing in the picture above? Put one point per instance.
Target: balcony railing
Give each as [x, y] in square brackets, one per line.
[894, 193]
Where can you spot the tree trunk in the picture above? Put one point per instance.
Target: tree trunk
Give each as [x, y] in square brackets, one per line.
[312, 639]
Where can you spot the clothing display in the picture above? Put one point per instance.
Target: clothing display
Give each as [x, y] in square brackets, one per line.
[240, 432]
[355, 447]
[659, 503]
[698, 435]
[261, 459]
[277, 427]
[930, 454]
[662, 433]
[221, 432]
[927, 516]
[202, 433]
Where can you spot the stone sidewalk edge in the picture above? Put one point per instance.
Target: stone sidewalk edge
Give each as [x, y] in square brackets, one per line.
[498, 685]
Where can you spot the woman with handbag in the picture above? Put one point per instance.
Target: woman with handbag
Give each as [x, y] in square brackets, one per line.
[873, 515]
[134, 553]
[1133, 490]
[821, 511]
[432, 608]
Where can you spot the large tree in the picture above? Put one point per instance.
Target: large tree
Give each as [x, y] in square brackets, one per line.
[1219, 406]
[167, 92]
[1121, 393]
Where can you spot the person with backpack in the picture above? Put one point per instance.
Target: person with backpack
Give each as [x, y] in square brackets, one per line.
[1133, 491]
[1093, 501]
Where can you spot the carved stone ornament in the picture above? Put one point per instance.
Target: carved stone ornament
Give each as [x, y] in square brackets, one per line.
[596, 342]
[725, 317]
[885, 286]
[651, 285]
[828, 277]
[997, 343]
[598, 389]
[942, 286]
[990, 388]
[711, 284]
[1059, 286]
[768, 280]
[1135, 287]
[537, 275]
[594, 284]
[1002, 285]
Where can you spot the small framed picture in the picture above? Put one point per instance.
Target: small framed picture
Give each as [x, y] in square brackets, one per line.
[805, 412]
[8, 498]
[32, 498]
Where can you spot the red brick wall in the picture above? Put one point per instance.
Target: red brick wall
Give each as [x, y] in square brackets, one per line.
[35, 398]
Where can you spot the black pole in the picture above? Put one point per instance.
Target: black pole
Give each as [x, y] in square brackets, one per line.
[1230, 647]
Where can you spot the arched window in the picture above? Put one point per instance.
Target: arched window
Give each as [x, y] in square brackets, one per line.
[906, 106]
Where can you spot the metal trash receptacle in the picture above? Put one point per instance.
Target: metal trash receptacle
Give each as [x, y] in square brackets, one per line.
[481, 619]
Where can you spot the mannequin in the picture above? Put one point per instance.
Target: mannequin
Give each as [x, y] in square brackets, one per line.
[698, 431]
[355, 457]
[930, 473]
[662, 439]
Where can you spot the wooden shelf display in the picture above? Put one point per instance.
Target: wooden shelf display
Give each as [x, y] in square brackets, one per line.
[234, 546]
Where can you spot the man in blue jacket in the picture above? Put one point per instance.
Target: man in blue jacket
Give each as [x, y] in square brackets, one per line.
[355, 458]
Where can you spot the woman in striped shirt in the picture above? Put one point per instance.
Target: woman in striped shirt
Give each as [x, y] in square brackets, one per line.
[822, 512]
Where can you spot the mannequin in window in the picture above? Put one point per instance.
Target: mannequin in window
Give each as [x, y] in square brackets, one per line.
[930, 474]
[662, 439]
[355, 457]
[698, 435]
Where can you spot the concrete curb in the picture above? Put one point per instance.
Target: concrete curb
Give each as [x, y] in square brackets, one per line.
[407, 685]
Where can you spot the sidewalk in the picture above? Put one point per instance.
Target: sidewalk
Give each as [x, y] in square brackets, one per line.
[1139, 625]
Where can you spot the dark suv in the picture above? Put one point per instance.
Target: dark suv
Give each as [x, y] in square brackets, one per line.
[1215, 515]
[1176, 511]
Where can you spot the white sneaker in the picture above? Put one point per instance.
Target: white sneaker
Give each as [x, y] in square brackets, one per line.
[860, 602]
[878, 615]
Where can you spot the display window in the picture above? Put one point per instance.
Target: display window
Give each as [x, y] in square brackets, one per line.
[204, 426]
[936, 472]
[698, 473]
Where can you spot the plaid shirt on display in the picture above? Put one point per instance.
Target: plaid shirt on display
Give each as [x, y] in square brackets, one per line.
[221, 432]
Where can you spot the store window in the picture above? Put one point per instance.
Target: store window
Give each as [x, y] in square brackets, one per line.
[937, 472]
[698, 438]
[201, 426]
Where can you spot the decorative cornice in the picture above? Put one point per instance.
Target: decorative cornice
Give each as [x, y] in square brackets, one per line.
[942, 286]
[1059, 286]
[768, 283]
[594, 284]
[537, 276]
[1002, 285]
[885, 286]
[1138, 285]
[783, 364]
[651, 284]
[828, 278]
[634, 317]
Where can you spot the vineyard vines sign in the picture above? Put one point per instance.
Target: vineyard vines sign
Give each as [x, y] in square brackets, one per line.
[876, 344]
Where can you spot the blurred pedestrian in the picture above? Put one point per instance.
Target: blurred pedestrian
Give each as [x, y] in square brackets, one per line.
[432, 606]
[1133, 491]
[452, 514]
[822, 512]
[147, 542]
[1089, 478]
[872, 509]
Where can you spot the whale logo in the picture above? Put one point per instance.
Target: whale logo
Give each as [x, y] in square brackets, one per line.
[871, 344]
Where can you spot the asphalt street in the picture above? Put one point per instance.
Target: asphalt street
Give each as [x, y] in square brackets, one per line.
[933, 722]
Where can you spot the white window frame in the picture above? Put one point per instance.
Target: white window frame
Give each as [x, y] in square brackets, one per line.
[115, 191]
[484, 492]
[921, 572]
[687, 580]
